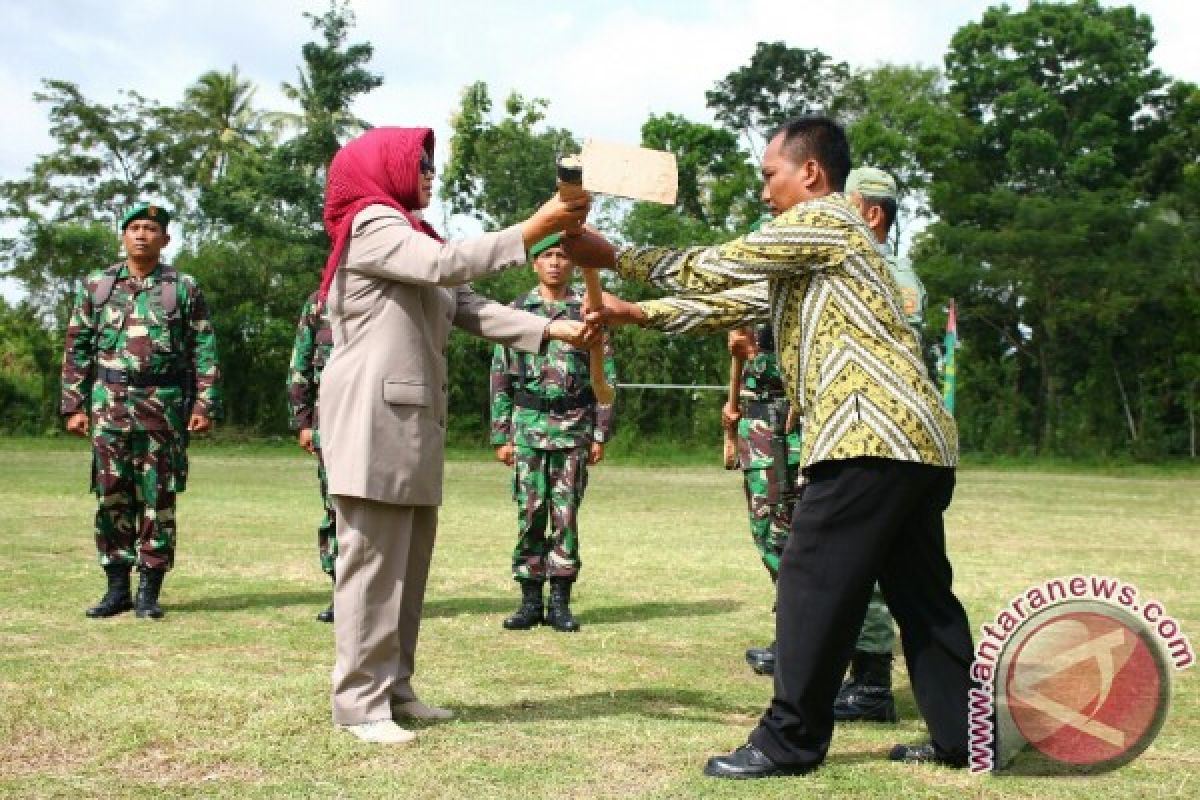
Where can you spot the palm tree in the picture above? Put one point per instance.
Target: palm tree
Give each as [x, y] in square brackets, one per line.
[315, 118]
[332, 75]
[221, 120]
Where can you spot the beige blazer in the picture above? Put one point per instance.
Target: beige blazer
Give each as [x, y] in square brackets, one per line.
[383, 393]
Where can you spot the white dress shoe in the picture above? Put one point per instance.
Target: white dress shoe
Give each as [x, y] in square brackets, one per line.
[415, 709]
[380, 731]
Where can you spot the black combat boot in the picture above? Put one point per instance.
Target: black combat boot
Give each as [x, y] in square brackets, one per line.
[866, 696]
[762, 659]
[530, 612]
[558, 612]
[149, 585]
[116, 599]
[327, 614]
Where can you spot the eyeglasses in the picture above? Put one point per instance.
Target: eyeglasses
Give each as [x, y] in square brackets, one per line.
[427, 164]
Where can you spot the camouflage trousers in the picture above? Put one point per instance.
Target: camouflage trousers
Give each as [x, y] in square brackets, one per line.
[135, 477]
[770, 520]
[327, 547]
[878, 635]
[548, 486]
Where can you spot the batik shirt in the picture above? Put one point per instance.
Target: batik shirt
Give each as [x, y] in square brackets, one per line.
[851, 363]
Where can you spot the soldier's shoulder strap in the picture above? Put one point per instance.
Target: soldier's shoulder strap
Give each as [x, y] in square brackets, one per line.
[102, 289]
[168, 289]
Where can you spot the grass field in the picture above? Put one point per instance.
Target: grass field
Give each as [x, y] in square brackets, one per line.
[228, 696]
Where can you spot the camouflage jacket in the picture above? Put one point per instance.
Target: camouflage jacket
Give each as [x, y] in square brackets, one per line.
[310, 354]
[560, 371]
[132, 335]
[912, 291]
[763, 385]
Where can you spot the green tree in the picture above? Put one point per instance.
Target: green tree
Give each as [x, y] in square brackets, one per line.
[779, 83]
[220, 122]
[29, 359]
[106, 157]
[894, 114]
[1033, 184]
[333, 75]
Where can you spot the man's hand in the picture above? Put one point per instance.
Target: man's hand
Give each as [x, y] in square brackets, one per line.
[305, 440]
[77, 424]
[589, 249]
[742, 344]
[614, 312]
[729, 415]
[198, 423]
[596, 454]
[555, 215]
[504, 454]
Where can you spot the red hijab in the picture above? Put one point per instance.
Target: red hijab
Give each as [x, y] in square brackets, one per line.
[383, 166]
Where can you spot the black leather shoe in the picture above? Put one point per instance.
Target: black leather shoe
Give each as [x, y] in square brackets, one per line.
[748, 762]
[762, 659]
[924, 754]
[326, 615]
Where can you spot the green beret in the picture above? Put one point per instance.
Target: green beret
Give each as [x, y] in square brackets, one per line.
[544, 245]
[871, 182]
[146, 211]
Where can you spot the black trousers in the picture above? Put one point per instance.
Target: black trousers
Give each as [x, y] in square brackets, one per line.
[860, 520]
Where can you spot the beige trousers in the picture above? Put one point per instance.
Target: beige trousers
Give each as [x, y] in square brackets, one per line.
[382, 566]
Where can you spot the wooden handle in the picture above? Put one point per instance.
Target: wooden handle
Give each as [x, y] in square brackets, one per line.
[729, 452]
[570, 187]
[593, 299]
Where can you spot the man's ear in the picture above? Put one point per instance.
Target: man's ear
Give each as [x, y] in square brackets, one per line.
[811, 173]
[874, 216]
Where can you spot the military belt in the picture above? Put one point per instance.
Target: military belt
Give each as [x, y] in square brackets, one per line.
[559, 405]
[761, 409]
[139, 379]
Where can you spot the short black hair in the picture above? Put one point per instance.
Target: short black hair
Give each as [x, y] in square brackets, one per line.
[885, 204]
[820, 138]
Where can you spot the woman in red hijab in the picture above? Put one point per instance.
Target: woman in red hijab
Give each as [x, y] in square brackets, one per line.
[394, 290]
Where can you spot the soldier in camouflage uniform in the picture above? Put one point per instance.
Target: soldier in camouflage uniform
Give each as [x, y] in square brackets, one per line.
[547, 424]
[139, 373]
[310, 353]
[768, 453]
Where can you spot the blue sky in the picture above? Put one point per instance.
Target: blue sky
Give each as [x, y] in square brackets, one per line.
[604, 66]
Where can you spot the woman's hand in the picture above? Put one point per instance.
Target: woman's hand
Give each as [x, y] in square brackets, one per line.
[572, 332]
[555, 215]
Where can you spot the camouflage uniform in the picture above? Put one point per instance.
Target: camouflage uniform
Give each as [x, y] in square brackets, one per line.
[310, 354]
[770, 490]
[138, 368]
[543, 405]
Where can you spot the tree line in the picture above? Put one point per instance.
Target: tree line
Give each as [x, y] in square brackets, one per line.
[1050, 179]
